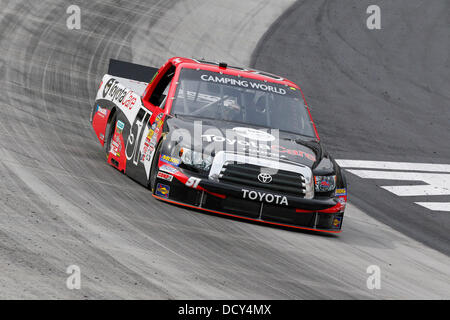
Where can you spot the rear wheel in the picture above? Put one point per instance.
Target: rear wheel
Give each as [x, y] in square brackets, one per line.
[109, 133]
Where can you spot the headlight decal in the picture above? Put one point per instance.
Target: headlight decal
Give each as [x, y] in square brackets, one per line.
[195, 159]
[325, 183]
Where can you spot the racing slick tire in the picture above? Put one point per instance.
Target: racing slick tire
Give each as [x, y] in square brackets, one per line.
[154, 168]
[109, 132]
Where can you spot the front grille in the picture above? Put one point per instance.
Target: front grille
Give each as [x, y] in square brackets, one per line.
[246, 174]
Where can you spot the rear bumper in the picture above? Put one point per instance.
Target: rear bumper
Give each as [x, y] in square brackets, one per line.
[325, 215]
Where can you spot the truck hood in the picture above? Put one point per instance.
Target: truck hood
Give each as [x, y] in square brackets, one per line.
[207, 134]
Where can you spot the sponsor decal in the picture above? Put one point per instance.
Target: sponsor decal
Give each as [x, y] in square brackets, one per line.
[162, 190]
[164, 176]
[119, 127]
[214, 138]
[252, 145]
[264, 178]
[168, 169]
[341, 195]
[108, 86]
[150, 134]
[294, 152]
[342, 200]
[147, 152]
[245, 145]
[116, 145]
[159, 117]
[247, 83]
[154, 130]
[337, 222]
[170, 160]
[254, 134]
[263, 196]
[119, 94]
[102, 112]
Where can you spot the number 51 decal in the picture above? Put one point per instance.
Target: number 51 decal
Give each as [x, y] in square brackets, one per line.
[135, 136]
[193, 182]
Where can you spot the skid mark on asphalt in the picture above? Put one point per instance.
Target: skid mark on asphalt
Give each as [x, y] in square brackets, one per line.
[436, 178]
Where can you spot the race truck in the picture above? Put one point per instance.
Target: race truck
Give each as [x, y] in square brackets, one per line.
[223, 139]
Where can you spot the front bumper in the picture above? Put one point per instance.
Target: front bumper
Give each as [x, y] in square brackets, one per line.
[324, 215]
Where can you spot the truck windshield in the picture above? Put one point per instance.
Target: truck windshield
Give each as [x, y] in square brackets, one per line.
[206, 94]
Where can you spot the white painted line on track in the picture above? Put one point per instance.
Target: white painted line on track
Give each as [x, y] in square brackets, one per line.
[435, 206]
[389, 165]
[435, 184]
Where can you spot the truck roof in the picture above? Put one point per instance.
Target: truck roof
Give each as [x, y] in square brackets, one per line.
[223, 67]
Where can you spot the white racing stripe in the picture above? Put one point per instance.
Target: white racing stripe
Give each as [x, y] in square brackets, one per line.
[435, 184]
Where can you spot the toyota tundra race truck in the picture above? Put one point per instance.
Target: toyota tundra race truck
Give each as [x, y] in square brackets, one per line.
[223, 139]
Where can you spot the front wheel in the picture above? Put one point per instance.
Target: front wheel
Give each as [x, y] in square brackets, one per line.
[154, 168]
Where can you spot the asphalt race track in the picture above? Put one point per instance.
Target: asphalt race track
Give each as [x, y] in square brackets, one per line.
[62, 205]
[376, 95]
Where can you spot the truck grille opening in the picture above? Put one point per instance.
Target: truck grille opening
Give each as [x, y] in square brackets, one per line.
[245, 174]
